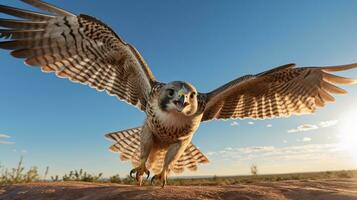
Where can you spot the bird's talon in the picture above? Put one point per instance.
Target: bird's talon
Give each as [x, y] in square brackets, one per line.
[137, 174]
[148, 174]
[159, 177]
[153, 179]
[131, 172]
[164, 182]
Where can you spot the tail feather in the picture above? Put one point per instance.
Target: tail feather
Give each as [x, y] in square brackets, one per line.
[127, 143]
[190, 159]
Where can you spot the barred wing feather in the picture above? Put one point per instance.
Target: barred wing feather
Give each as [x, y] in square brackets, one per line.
[80, 48]
[279, 92]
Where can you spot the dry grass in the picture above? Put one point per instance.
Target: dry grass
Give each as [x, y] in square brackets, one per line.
[19, 175]
[231, 180]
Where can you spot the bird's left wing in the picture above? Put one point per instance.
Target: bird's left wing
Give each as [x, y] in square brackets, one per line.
[80, 48]
[279, 92]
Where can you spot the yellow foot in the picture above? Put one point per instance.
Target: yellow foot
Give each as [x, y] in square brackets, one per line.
[139, 172]
[162, 177]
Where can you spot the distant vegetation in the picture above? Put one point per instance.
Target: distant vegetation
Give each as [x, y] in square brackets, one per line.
[230, 180]
[20, 175]
[254, 170]
[80, 175]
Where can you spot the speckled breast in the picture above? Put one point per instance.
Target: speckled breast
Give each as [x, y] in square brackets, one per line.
[170, 129]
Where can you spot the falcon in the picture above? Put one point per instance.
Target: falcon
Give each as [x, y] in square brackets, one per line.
[87, 51]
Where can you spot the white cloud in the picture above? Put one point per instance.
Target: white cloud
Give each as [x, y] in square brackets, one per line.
[306, 139]
[6, 142]
[325, 124]
[4, 136]
[250, 123]
[254, 149]
[211, 153]
[298, 152]
[303, 128]
[234, 123]
[269, 125]
[310, 127]
[285, 141]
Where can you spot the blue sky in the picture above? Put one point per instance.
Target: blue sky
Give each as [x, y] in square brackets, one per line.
[56, 123]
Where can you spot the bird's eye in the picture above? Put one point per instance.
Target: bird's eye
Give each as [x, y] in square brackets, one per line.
[170, 92]
[193, 94]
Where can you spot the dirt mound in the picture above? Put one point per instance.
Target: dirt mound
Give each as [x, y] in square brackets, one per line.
[316, 189]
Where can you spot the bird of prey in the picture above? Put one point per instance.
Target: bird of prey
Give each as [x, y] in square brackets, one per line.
[85, 50]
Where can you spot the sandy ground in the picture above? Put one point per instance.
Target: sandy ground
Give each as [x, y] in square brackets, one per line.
[318, 189]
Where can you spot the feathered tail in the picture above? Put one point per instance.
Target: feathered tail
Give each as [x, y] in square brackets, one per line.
[127, 143]
[190, 159]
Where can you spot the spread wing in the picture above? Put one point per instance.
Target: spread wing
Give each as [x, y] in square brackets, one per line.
[279, 92]
[80, 48]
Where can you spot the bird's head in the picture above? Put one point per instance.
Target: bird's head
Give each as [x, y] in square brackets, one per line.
[178, 97]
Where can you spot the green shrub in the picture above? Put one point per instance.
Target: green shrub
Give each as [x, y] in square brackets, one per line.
[55, 178]
[18, 174]
[115, 179]
[82, 176]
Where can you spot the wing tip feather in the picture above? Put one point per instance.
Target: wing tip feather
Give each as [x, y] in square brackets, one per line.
[338, 68]
[48, 7]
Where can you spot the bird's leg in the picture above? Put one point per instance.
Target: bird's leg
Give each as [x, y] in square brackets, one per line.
[139, 172]
[174, 152]
[162, 176]
[146, 142]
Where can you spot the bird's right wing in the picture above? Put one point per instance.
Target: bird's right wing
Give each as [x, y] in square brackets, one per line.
[80, 48]
[279, 92]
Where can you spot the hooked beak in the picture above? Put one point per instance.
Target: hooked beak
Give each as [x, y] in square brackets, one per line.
[181, 103]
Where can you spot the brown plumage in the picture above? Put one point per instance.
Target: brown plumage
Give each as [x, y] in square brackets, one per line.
[85, 50]
[279, 92]
[127, 143]
[80, 48]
